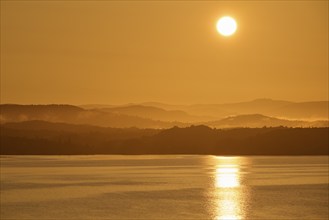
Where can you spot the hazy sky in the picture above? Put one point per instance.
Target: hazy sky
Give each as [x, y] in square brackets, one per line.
[116, 52]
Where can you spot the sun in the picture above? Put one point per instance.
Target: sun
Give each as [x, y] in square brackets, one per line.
[226, 26]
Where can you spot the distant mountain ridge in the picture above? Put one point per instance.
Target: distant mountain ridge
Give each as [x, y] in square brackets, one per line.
[156, 113]
[315, 110]
[76, 115]
[139, 116]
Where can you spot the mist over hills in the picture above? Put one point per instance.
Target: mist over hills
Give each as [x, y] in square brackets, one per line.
[305, 110]
[156, 113]
[276, 108]
[76, 115]
[141, 116]
[139, 129]
[258, 120]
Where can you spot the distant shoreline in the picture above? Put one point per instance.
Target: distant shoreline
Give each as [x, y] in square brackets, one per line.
[264, 155]
[44, 138]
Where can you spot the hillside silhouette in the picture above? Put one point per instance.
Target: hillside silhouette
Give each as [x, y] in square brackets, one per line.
[38, 137]
[156, 113]
[76, 115]
[140, 117]
[258, 120]
[273, 108]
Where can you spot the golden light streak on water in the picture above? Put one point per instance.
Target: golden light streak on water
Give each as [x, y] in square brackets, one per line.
[227, 184]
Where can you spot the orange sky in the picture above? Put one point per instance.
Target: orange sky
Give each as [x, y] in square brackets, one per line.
[116, 52]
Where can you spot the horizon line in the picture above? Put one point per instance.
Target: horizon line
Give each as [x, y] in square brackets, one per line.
[155, 102]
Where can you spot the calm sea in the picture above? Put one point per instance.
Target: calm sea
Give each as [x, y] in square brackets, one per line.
[164, 187]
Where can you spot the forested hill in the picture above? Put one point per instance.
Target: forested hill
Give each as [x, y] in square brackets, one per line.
[47, 138]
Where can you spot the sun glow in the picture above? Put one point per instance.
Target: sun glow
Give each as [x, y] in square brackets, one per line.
[226, 26]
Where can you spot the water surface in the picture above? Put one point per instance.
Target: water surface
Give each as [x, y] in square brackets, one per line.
[164, 187]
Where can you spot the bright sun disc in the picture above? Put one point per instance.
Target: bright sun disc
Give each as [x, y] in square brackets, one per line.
[226, 26]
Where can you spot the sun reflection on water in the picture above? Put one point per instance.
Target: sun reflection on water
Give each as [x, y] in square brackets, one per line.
[227, 177]
[228, 189]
